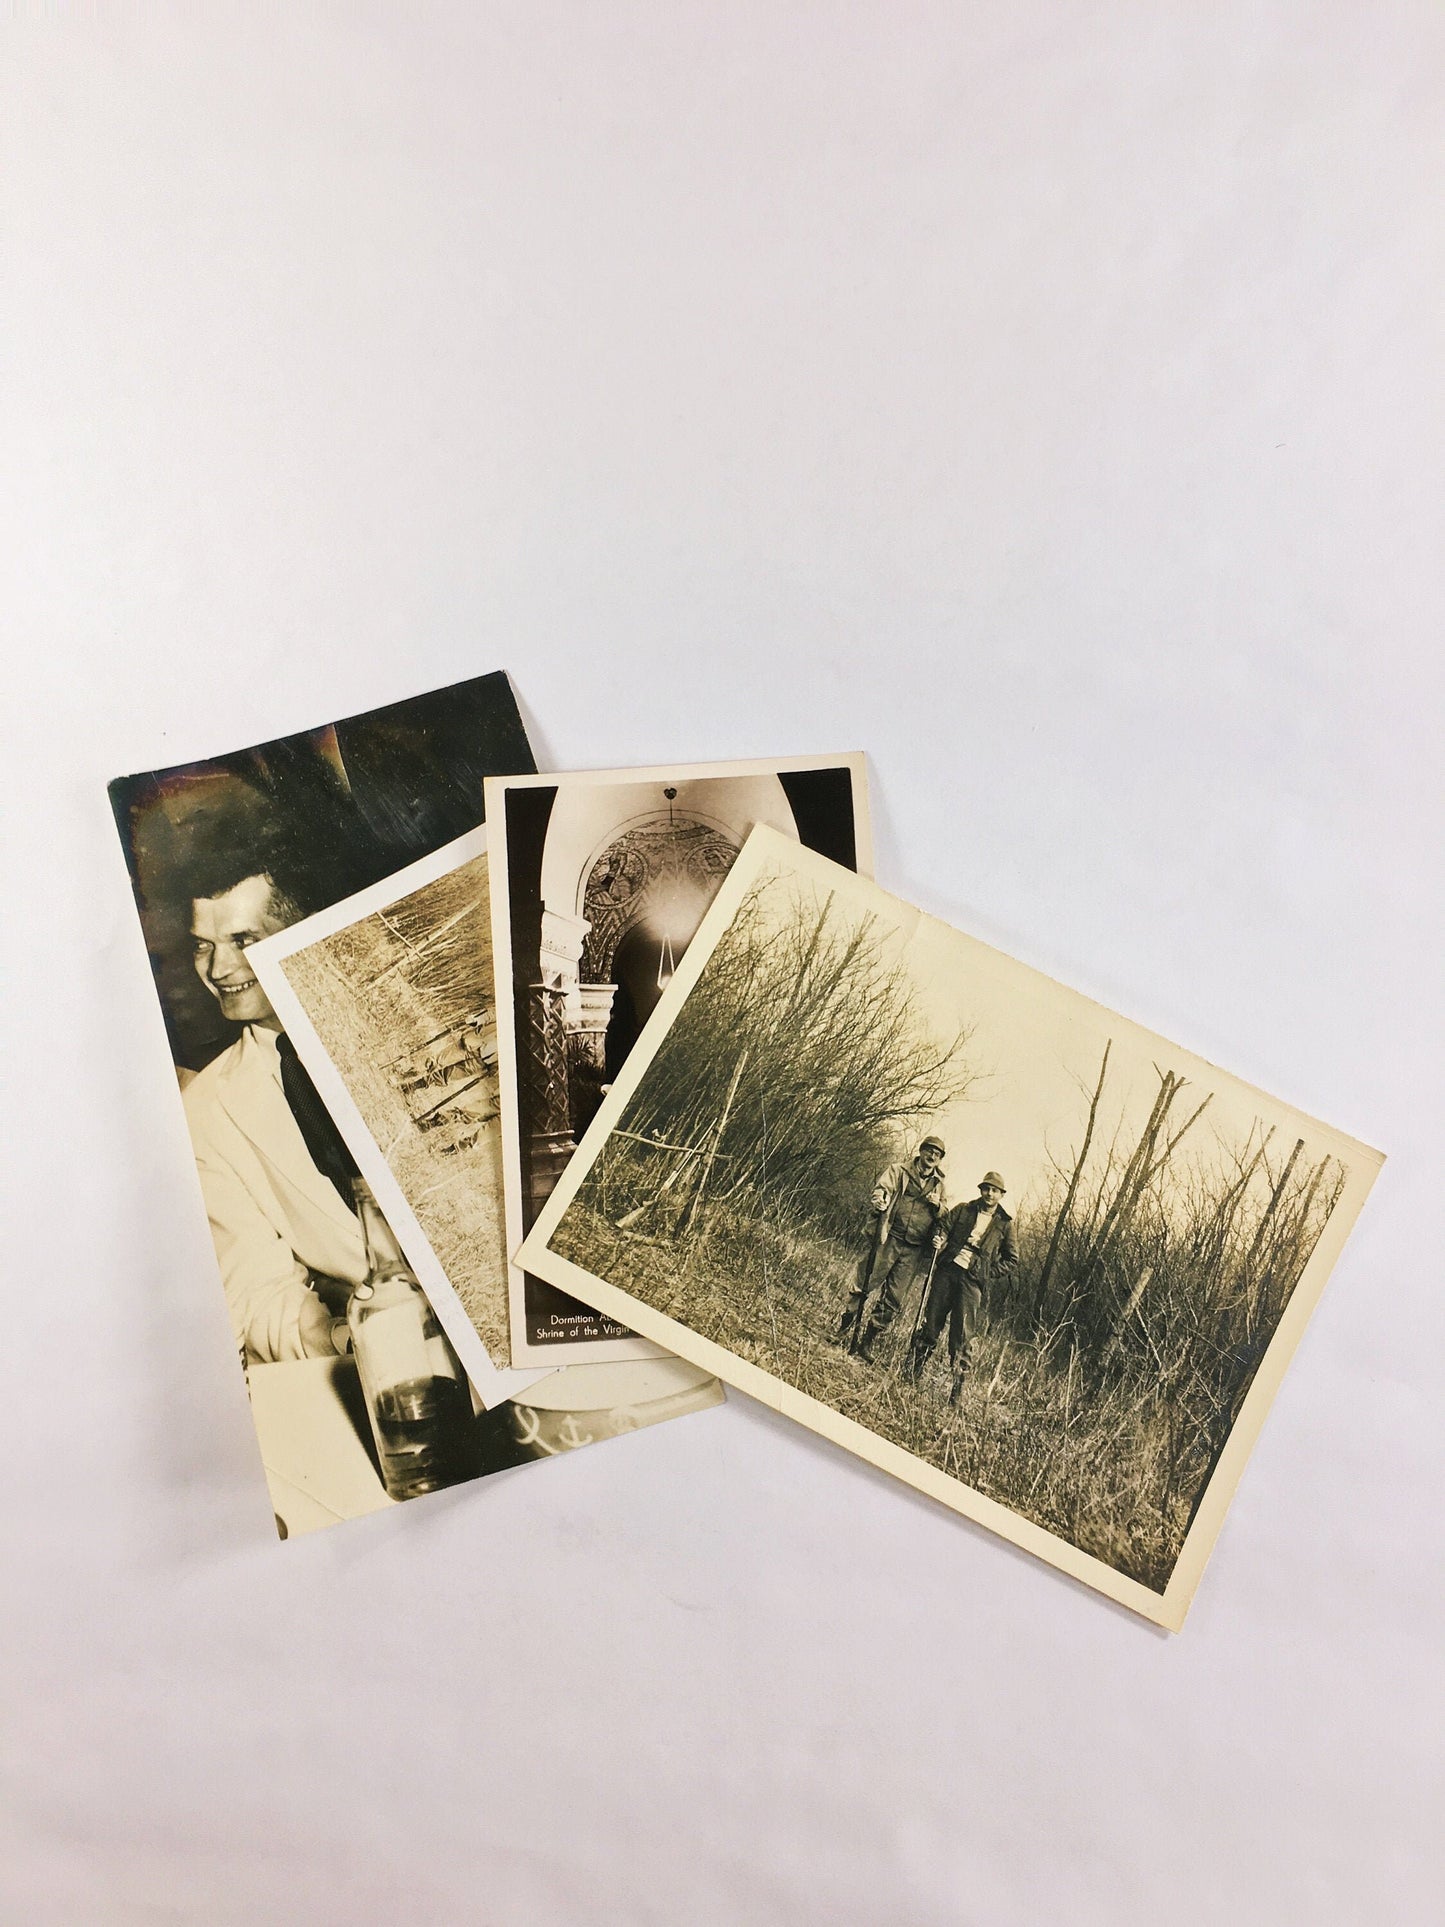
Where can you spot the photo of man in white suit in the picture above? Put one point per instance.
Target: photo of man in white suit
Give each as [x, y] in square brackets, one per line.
[222, 853]
[286, 1236]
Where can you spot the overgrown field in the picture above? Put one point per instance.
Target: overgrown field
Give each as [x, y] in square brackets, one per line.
[379, 989]
[1156, 1257]
[1097, 1463]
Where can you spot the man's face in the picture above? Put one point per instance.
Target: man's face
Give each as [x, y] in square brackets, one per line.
[990, 1193]
[222, 928]
[929, 1156]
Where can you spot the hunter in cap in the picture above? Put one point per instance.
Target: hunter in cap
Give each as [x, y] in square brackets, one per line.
[975, 1245]
[906, 1210]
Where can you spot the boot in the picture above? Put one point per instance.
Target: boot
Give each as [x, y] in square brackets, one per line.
[960, 1373]
[869, 1340]
[917, 1359]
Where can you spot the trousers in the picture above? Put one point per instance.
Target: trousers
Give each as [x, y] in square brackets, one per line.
[956, 1301]
[898, 1265]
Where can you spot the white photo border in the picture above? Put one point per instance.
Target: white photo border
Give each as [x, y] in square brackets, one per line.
[497, 789]
[1167, 1609]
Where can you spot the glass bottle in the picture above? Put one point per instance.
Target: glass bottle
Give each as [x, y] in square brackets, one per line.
[416, 1392]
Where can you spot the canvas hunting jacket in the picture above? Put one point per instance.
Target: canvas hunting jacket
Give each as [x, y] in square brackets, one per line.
[890, 1188]
[997, 1251]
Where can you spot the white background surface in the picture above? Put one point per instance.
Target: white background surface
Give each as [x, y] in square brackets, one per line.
[1045, 398]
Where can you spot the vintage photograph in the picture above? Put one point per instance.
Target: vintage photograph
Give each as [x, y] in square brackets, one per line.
[389, 1001]
[601, 878]
[357, 1395]
[1030, 1257]
[394, 988]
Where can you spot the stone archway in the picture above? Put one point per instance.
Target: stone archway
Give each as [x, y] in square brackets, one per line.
[665, 869]
[624, 866]
[643, 898]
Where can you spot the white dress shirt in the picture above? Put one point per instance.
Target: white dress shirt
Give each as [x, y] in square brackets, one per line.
[275, 1219]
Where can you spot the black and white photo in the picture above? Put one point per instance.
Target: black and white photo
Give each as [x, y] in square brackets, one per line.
[224, 853]
[1028, 1256]
[601, 878]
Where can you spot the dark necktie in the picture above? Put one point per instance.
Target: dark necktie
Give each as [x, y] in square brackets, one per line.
[325, 1143]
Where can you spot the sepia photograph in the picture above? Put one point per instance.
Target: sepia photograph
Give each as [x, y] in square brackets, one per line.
[221, 853]
[1030, 1257]
[357, 1391]
[601, 877]
[393, 989]
[389, 1001]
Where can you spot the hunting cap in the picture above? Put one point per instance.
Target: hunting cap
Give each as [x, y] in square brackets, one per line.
[935, 1143]
[992, 1177]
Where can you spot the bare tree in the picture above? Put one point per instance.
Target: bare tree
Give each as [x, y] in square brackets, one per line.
[1066, 1208]
[838, 1060]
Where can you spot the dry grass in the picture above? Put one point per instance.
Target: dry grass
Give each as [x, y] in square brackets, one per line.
[1095, 1463]
[1153, 1263]
[367, 1014]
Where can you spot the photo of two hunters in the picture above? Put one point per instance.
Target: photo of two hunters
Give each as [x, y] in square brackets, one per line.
[961, 1250]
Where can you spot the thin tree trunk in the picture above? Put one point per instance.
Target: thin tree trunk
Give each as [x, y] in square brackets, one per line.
[1272, 1207]
[1300, 1242]
[1128, 1185]
[691, 1208]
[1216, 1239]
[1051, 1257]
[415, 950]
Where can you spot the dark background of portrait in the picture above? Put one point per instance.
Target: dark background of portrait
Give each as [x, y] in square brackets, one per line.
[346, 804]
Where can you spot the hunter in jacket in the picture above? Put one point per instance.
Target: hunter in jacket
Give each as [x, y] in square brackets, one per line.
[975, 1246]
[907, 1210]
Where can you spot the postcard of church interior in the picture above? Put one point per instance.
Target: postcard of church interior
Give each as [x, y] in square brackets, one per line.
[599, 880]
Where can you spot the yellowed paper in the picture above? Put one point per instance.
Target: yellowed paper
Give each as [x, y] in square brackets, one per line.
[388, 998]
[1143, 1235]
[599, 878]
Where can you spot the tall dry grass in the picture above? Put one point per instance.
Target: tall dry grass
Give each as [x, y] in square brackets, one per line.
[1155, 1264]
[1097, 1415]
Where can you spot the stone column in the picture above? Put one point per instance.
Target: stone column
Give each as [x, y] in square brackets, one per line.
[542, 1071]
[563, 936]
[542, 1067]
[587, 1053]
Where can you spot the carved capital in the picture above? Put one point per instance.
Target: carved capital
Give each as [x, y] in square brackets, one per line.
[587, 1053]
[563, 936]
[594, 1008]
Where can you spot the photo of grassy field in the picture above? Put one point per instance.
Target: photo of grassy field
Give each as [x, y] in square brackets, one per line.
[403, 1003]
[1163, 1220]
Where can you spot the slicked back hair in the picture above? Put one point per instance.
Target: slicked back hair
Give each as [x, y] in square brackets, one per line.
[219, 859]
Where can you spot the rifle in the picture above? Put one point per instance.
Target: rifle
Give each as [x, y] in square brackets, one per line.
[865, 1283]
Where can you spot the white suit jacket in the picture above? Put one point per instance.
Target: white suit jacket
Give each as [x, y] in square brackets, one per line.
[274, 1217]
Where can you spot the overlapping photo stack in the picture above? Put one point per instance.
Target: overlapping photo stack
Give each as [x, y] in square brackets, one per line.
[530, 1109]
